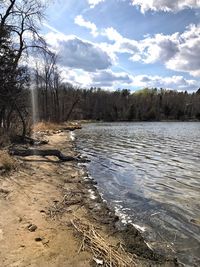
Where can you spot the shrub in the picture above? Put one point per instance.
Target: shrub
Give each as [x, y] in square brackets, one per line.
[7, 163]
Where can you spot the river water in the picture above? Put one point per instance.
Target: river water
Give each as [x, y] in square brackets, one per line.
[150, 174]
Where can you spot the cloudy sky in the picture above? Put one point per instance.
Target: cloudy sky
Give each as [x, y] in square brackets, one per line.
[127, 43]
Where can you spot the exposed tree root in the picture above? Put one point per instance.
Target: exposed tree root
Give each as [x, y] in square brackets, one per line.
[40, 152]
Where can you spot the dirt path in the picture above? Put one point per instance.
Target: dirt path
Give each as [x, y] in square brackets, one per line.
[26, 198]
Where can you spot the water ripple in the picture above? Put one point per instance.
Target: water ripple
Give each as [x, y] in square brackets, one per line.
[152, 170]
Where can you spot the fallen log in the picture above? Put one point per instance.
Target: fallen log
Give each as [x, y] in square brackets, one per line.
[72, 127]
[39, 152]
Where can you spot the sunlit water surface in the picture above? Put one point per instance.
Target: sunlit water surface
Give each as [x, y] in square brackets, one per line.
[150, 174]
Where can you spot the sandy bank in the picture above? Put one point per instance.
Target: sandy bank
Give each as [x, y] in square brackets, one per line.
[45, 200]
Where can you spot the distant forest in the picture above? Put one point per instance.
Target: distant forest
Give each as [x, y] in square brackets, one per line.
[57, 101]
[69, 102]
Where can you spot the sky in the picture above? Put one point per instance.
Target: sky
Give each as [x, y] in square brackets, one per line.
[129, 44]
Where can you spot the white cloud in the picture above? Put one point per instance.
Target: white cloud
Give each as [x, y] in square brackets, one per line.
[87, 64]
[174, 82]
[121, 44]
[76, 53]
[165, 5]
[149, 50]
[178, 51]
[112, 34]
[79, 54]
[79, 20]
[109, 78]
[187, 59]
[76, 77]
[157, 5]
[54, 38]
[105, 78]
[93, 3]
[160, 47]
[112, 80]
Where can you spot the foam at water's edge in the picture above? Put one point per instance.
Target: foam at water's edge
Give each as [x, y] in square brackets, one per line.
[72, 136]
[139, 228]
[92, 194]
[125, 219]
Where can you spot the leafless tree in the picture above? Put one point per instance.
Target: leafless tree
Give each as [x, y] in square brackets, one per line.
[19, 23]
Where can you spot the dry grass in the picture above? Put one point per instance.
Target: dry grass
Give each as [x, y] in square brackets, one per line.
[50, 126]
[4, 140]
[103, 252]
[7, 163]
[46, 126]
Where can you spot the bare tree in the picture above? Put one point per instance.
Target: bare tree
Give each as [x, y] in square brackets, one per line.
[48, 82]
[19, 24]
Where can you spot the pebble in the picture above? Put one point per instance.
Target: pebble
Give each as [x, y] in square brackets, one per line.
[32, 227]
[1, 166]
[38, 239]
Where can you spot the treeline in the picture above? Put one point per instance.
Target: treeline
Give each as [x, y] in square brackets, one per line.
[122, 105]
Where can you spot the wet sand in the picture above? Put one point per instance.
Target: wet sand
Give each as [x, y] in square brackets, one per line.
[40, 200]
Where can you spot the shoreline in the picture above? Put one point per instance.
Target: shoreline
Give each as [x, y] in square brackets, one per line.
[128, 232]
[139, 121]
[61, 194]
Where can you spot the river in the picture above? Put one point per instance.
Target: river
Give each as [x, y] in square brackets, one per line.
[149, 172]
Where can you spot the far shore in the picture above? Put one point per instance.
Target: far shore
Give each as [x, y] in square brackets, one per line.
[53, 215]
[138, 121]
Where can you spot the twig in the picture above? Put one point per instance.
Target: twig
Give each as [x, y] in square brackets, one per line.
[100, 247]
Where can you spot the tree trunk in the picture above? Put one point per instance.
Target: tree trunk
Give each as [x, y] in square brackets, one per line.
[23, 121]
[43, 153]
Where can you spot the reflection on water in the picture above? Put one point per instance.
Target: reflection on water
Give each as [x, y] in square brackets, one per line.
[150, 173]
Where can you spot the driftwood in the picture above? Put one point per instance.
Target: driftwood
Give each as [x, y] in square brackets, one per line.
[39, 152]
[72, 127]
[104, 253]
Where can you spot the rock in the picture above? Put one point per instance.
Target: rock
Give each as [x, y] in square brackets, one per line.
[195, 221]
[42, 211]
[1, 166]
[32, 227]
[3, 192]
[1, 234]
[2, 169]
[20, 219]
[38, 239]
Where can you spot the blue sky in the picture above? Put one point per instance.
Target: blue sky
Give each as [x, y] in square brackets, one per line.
[126, 43]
